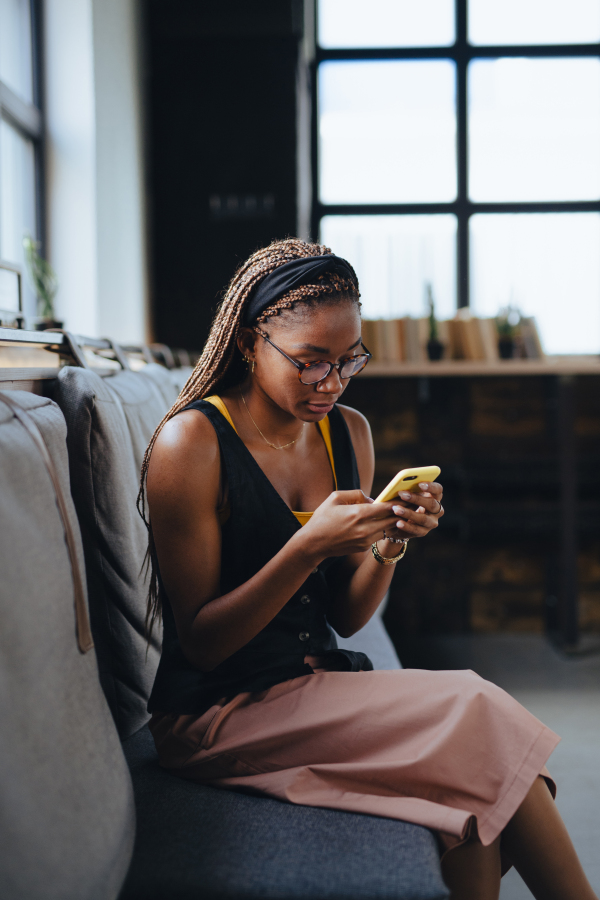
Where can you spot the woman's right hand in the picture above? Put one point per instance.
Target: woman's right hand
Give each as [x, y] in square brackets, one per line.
[348, 522]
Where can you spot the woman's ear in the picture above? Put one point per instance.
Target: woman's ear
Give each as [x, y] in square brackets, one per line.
[246, 341]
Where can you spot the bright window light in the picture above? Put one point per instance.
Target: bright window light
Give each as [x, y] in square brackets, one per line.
[534, 21]
[548, 265]
[534, 129]
[17, 202]
[386, 23]
[387, 132]
[15, 47]
[395, 257]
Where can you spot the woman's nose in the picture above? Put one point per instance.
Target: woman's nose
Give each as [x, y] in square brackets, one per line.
[332, 384]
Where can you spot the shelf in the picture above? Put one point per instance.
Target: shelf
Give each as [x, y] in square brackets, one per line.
[552, 365]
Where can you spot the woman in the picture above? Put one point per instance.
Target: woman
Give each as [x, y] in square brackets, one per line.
[262, 537]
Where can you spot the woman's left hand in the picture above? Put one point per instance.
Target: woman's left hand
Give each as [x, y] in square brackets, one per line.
[419, 513]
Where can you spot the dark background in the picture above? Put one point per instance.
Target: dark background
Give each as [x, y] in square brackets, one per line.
[221, 100]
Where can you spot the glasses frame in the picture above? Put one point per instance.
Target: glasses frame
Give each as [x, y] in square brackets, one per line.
[303, 366]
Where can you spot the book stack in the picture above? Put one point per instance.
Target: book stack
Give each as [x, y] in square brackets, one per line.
[464, 337]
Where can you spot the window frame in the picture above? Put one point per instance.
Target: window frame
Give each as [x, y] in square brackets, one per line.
[461, 53]
[28, 119]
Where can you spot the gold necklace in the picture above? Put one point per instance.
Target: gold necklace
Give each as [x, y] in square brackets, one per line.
[274, 446]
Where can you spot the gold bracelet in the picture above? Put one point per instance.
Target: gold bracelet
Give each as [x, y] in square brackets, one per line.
[388, 561]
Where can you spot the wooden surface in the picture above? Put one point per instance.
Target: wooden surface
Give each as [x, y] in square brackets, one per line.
[9, 376]
[552, 365]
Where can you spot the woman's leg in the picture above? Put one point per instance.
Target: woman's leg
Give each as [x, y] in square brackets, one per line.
[472, 871]
[540, 848]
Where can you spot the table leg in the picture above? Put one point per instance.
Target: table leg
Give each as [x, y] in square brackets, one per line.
[568, 618]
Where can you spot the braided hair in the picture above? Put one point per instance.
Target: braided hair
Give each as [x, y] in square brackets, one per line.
[221, 364]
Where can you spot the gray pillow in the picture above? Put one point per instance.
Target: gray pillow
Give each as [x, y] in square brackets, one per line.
[110, 421]
[167, 384]
[66, 806]
[179, 377]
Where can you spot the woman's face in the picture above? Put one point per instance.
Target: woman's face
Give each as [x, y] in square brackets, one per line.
[326, 331]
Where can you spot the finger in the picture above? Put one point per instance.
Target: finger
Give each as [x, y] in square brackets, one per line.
[411, 529]
[433, 488]
[351, 497]
[380, 510]
[422, 502]
[424, 519]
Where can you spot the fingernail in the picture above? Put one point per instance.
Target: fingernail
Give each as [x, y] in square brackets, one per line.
[424, 486]
[405, 495]
[400, 524]
[398, 510]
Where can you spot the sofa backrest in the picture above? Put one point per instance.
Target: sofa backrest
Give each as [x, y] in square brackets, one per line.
[168, 380]
[109, 424]
[66, 805]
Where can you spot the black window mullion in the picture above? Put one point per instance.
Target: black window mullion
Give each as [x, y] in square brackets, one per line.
[37, 38]
[462, 200]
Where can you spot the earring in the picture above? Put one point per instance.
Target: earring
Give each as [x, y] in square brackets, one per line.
[247, 361]
[253, 364]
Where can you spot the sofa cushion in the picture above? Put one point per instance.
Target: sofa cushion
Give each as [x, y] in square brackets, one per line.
[195, 841]
[180, 376]
[110, 421]
[66, 804]
[167, 384]
[373, 640]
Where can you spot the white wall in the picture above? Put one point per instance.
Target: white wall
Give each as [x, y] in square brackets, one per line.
[96, 214]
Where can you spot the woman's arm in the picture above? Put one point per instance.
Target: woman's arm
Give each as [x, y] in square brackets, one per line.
[363, 582]
[184, 487]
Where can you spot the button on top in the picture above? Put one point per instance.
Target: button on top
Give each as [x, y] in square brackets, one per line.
[305, 599]
[304, 635]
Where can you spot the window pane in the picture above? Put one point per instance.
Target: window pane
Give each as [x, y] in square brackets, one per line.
[17, 202]
[386, 23]
[387, 132]
[534, 21]
[534, 129]
[9, 291]
[395, 257]
[15, 47]
[548, 265]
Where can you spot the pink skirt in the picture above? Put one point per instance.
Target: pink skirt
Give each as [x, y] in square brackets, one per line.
[446, 750]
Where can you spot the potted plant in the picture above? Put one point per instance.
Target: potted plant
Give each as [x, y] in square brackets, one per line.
[45, 284]
[507, 324]
[435, 348]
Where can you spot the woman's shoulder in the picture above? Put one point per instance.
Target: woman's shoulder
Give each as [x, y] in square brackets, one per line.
[362, 442]
[358, 425]
[186, 446]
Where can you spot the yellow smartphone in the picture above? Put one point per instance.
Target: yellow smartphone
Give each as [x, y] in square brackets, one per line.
[408, 480]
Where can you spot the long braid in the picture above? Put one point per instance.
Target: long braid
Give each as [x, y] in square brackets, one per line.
[221, 365]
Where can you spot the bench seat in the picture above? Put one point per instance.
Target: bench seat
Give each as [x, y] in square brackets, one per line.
[198, 843]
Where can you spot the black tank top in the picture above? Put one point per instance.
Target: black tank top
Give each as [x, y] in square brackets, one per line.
[259, 525]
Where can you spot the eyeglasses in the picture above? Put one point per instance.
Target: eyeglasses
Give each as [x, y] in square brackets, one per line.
[313, 372]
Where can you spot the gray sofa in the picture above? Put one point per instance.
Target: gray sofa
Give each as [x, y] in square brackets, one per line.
[71, 773]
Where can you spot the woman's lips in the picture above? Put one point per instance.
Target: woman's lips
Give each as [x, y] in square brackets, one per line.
[320, 407]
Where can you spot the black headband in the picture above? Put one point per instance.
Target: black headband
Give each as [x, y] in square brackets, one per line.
[292, 275]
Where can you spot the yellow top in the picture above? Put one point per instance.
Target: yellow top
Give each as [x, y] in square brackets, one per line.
[325, 430]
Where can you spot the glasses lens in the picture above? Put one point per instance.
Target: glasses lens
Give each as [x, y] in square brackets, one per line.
[353, 366]
[316, 372]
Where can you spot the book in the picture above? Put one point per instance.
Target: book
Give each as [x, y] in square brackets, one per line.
[368, 337]
[488, 333]
[390, 331]
[530, 339]
[412, 340]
